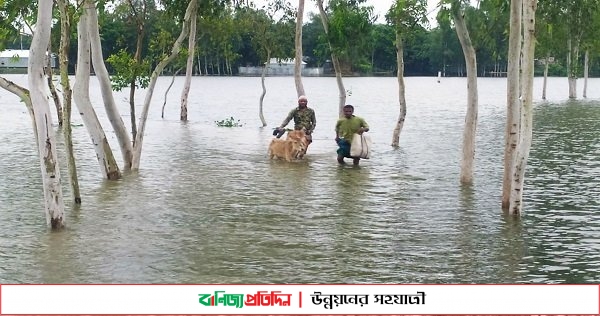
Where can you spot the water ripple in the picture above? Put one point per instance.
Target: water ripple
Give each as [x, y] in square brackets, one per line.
[209, 207]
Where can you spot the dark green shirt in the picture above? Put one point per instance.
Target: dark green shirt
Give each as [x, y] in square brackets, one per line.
[347, 127]
[302, 119]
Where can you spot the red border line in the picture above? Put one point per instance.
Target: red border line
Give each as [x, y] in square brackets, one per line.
[300, 299]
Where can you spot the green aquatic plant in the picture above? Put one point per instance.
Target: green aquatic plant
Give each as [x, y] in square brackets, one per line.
[229, 122]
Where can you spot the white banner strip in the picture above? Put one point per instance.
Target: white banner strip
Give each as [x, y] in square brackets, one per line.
[300, 299]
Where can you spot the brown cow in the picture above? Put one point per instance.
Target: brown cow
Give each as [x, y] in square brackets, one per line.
[287, 149]
[299, 136]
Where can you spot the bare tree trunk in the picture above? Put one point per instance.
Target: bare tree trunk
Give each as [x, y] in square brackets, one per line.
[137, 149]
[298, 45]
[199, 65]
[51, 87]
[112, 112]
[140, 19]
[219, 65]
[572, 57]
[162, 115]
[205, 65]
[401, 90]
[228, 65]
[468, 152]
[586, 71]
[264, 89]
[108, 165]
[334, 60]
[525, 137]
[54, 94]
[546, 66]
[132, 119]
[51, 180]
[338, 78]
[65, 38]
[513, 111]
[190, 63]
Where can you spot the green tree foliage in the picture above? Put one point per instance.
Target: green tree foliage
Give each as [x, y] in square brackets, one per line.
[226, 41]
[16, 18]
[350, 29]
[269, 35]
[126, 69]
[315, 47]
[407, 19]
[444, 48]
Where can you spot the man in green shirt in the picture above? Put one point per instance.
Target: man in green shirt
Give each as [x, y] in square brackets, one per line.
[304, 118]
[345, 128]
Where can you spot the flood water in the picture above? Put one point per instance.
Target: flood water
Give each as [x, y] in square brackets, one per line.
[208, 206]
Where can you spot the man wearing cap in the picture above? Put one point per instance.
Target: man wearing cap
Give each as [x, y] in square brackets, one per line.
[304, 118]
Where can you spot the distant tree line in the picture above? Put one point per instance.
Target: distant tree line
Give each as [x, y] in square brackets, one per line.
[229, 36]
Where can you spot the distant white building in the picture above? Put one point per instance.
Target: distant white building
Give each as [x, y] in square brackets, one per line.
[280, 67]
[16, 60]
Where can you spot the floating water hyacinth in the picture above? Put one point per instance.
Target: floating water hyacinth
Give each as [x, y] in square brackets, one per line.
[229, 122]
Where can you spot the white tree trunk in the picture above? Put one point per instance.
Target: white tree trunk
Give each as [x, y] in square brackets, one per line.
[513, 91]
[334, 60]
[572, 57]
[298, 45]
[162, 115]
[572, 88]
[106, 87]
[51, 180]
[189, 65]
[338, 78]
[81, 87]
[401, 90]
[468, 151]
[205, 65]
[264, 89]
[525, 139]
[199, 66]
[586, 61]
[137, 149]
[546, 66]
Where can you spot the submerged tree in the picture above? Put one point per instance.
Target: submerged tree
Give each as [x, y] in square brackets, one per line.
[185, 28]
[139, 11]
[404, 15]
[298, 50]
[526, 100]
[65, 44]
[270, 37]
[189, 69]
[468, 149]
[513, 103]
[334, 60]
[104, 154]
[51, 178]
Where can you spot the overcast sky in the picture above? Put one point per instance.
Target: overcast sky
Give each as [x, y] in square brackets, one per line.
[380, 8]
